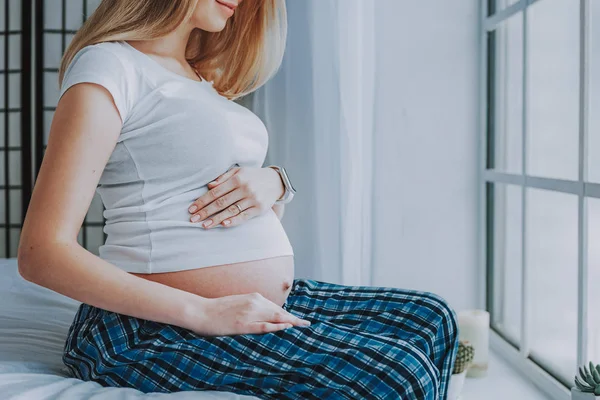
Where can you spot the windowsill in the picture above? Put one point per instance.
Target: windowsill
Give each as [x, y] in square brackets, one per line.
[502, 383]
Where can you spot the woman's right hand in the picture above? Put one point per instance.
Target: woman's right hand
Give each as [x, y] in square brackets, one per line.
[241, 314]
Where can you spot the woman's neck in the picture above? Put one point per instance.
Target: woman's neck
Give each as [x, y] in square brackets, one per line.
[172, 45]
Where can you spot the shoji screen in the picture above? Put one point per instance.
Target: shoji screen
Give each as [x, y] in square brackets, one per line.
[33, 37]
[15, 117]
[56, 23]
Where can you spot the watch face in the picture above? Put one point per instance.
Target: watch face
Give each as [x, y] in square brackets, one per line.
[287, 178]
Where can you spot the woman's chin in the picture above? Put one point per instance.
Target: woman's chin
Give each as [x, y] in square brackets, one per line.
[214, 26]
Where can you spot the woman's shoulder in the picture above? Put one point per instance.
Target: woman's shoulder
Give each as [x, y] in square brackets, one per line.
[111, 65]
[109, 54]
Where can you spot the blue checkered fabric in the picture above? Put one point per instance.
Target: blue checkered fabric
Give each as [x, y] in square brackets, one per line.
[364, 343]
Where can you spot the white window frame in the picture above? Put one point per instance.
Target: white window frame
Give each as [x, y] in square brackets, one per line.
[519, 358]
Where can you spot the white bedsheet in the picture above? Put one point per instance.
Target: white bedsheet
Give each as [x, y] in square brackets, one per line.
[33, 326]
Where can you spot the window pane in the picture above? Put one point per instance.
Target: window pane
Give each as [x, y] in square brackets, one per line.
[551, 256]
[507, 118]
[95, 238]
[16, 206]
[594, 95]
[14, 9]
[507, 274]
[553, 85]
[52, 49]
[96, 209]
[52, 17]
[14, 52]
[74, 11]
[14, 90]
[3, 231]
[51, 89]
[593, 279]
[14, 167]
[14, 128]
[2, 168]
[3, 219]
[2, 85]
[15, 234]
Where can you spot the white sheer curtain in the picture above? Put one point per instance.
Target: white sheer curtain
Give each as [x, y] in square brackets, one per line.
[374, 114]
[319, 111]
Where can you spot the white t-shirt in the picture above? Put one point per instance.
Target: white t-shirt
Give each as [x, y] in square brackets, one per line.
[178, 134]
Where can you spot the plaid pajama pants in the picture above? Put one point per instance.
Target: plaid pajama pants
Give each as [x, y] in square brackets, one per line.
[363, 343]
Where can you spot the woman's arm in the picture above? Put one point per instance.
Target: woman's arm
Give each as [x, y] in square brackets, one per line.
[84, 132]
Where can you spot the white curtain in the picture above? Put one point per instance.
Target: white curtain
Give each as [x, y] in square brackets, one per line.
[374, 114]
[319, 111]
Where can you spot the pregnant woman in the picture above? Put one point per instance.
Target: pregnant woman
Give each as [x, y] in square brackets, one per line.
[194, 288]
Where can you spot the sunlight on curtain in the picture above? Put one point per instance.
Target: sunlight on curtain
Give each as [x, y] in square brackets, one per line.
[319, 110]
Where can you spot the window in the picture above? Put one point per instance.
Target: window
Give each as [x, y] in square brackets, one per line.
[541, 179]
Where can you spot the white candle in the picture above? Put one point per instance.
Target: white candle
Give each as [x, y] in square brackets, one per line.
[474, 326]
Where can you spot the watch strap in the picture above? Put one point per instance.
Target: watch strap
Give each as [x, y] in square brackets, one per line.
[289, 191]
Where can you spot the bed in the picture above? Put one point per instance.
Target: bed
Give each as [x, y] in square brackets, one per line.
[33, 327]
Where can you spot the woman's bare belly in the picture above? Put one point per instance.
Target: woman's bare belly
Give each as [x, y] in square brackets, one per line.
[271, 277]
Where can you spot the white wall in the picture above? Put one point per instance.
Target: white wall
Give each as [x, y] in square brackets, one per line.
[431, 143]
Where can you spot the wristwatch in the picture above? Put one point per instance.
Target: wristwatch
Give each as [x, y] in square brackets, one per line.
[289, 193]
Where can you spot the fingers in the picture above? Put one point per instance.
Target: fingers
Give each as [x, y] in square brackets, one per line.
[287, 321]
[266, 327]
[245, 215]
[253, 313]
[267, 311]
[223, 177]
[282, 316]
[219, 204]
[211, 196]
[291, 319]
[223, 217]
[279, 315]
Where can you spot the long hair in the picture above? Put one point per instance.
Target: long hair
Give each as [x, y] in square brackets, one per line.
[239, 59]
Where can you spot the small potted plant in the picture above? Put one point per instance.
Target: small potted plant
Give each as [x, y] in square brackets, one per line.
[587, 383]
[464, 358]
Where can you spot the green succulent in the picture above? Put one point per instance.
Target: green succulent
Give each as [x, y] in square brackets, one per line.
[464, 357]
[588, 380]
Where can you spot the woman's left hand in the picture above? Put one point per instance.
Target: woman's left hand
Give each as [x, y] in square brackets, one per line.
[255, 190]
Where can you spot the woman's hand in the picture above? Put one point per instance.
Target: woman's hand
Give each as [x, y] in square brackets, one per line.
[241, 314]
[236, 196]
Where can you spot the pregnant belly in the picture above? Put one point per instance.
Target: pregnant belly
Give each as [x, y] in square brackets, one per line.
[271, 277]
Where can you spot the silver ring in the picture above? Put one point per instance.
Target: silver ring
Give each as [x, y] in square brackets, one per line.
[239, 208]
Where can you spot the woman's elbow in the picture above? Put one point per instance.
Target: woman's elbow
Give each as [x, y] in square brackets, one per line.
[26, 261]
[30, 256]
[36, 253]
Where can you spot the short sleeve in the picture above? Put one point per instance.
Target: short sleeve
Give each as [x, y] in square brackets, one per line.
[101, 66]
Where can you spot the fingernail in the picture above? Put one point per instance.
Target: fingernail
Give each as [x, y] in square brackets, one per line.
[193, 208]
[195, 218]
[226, 222]
[207, 223]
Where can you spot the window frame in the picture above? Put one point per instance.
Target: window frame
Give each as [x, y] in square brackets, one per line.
[519, 356]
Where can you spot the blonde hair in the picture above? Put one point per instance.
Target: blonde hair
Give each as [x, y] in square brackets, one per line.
[239, 59]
